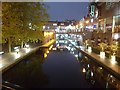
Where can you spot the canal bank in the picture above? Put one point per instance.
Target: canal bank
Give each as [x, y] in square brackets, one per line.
[9, 60]
[101, 70]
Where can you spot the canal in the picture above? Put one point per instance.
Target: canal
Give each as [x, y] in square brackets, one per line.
[57, 69]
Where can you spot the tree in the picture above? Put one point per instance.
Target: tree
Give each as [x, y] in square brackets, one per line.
[17, 17]
[33, 17]
[10, 22]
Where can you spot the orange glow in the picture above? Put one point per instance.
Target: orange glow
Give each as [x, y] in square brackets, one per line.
[47, 51]
[45, 55]
[87, 21]
[48, 33]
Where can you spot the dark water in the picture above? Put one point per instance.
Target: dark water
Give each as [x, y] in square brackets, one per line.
[28, 73]
[59, 70]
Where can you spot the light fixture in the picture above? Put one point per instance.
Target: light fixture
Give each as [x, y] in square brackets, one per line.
[113, 59]
[89, 49]
[91, 73]
[84, 70]
[102, 55]
[88, 65]
[45, 55]
[47, 51]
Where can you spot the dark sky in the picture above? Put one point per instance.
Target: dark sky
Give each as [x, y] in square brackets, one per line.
[67, 10]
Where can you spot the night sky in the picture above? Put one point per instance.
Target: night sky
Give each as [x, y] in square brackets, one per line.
[67, 10]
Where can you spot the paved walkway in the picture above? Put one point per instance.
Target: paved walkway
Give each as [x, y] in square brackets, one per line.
[9, 59]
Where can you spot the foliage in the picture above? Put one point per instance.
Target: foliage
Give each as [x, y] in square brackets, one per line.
[95, 50]
[103, 46]
[23, 21]
[113, 48]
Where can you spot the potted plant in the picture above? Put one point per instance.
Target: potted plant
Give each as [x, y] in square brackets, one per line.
[113, 49]
[103, 46]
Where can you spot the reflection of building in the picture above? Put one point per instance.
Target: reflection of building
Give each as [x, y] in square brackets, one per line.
[48, 35]
[99, 74]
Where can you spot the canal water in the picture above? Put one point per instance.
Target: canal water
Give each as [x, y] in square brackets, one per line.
[46, 69]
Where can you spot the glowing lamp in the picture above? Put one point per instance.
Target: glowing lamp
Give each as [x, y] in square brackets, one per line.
[89, 49]
[113, 59]
[27, 46]
[76, 55]
[84, 70]
[102, 55]
[47, 51]
[17, 50]
[45, 55]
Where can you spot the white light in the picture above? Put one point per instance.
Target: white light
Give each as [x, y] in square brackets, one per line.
[73, 52]
[100, 67]
[72, 49]
[1, 65]
[91, 73]
[116, 36]
[17, 50]
[92, 20]
[54, 24]
[29, 24]
[84, 70]
[56, 41]
[1, 52]
[54, 48]
[27, 50]
[17, 55]
[88, 65]
[68, 48]
[76, 55]
[102, 55]
[113, 59]
[30, 27]
[15, 47]
[26, 46]
[43, 27]
[111, 76]
[89, 49]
